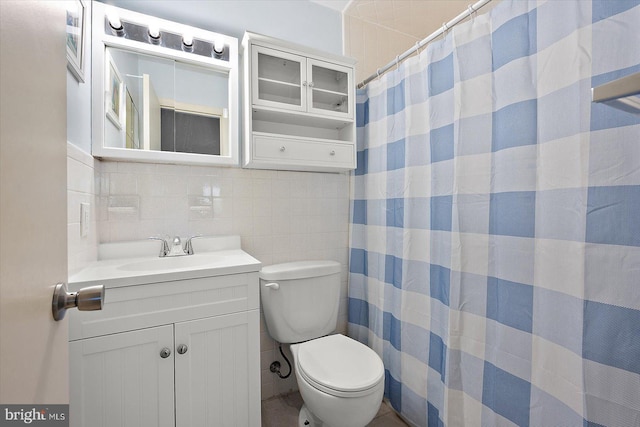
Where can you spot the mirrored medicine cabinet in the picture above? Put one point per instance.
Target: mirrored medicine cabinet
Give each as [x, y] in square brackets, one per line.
[162, 92]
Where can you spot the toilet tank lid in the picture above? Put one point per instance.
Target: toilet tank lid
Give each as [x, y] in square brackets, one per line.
[299, 270]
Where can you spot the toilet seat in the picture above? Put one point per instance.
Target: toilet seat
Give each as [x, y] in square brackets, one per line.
[339, 366]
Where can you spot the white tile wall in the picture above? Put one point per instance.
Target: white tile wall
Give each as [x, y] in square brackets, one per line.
[280, 216]
[82, 171]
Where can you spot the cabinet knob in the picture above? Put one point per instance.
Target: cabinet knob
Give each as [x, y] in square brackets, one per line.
[182, 349]
[304, 84]
[165, 352]
[283, 148]
[311, 84]
[333, 152]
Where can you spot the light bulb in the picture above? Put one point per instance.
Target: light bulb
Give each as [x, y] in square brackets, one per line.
[187, 42]
[114, 21]
[154, 30]
[218, 47]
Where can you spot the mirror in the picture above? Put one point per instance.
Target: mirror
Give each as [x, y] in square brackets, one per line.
[165, 105]
[159, 102]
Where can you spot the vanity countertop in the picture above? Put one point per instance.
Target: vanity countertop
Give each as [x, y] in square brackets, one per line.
[137, 263]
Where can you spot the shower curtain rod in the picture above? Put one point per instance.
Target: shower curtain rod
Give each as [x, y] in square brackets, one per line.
[445, 27]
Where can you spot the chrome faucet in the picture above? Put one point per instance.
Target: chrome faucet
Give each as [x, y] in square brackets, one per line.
[177, 242]
[175, 249]
[188, 247]
[164, 250]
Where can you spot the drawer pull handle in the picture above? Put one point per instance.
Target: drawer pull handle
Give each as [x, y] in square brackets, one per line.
[333, 152]
[283, 148]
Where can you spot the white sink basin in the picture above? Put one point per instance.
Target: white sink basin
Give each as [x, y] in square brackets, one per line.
[138, 263]
[173, 263]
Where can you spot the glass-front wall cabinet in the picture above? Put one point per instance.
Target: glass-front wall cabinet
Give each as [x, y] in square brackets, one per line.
[299, 107]
[289, 81]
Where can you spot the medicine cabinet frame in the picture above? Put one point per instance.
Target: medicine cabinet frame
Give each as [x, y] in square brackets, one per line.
[228, 65]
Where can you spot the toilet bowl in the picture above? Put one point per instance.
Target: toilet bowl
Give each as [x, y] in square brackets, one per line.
[340, 379]
[341, 382]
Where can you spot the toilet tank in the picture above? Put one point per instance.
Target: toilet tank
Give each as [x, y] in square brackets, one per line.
[300, 299]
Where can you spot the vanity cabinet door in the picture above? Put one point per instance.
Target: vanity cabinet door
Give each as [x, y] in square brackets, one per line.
[123, 379]
[217, 371]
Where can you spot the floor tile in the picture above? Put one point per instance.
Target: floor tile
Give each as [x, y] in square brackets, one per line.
[282, 411]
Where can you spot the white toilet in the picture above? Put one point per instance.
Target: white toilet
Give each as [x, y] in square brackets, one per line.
[341, 380]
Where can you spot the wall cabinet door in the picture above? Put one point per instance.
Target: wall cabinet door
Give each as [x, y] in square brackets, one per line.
[330, 88]
[217, 371]
[279, 79]
[122, 380]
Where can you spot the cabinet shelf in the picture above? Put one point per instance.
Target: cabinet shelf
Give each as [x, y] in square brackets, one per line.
[302, 119]
[332, 92]
[281, 92]
[278, 82]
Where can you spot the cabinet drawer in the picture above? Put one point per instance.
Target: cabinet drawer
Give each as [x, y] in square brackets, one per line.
[134, 307]
[287, 150]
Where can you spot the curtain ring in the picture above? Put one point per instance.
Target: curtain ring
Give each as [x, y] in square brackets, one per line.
[471, 10]
[444, 29]
[418, 48]
[397, 62]
[378, 73]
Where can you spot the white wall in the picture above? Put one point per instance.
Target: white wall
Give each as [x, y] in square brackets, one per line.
[280, 216]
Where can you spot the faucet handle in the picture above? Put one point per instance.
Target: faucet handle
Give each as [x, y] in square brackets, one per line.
[164, 250]
[188, 247]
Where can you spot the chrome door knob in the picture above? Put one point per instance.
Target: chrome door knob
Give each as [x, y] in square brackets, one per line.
[165, 352]
[283, 148]
[86, 299]
[182, 349]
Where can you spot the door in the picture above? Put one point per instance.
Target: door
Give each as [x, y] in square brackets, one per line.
[278, 79]
[330, 86]
[123, 379]
[33, 201]
[217, 374]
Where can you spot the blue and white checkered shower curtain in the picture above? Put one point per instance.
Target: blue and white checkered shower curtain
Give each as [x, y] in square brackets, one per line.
[495, 236]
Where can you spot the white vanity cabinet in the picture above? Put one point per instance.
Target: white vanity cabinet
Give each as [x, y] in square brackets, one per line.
[180, 352]
[299, 107]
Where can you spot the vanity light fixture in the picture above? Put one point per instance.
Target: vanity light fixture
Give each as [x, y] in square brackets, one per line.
[116, 24]
[187, 42]
[218, 48]
[141, 30]
[154, 33]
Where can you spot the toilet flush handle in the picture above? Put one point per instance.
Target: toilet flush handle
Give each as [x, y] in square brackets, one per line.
[272, 285]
